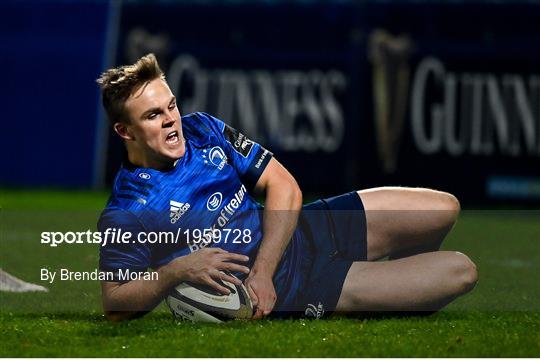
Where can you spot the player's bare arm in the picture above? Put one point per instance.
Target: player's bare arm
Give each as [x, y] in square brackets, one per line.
[282, 207]
[123, 301]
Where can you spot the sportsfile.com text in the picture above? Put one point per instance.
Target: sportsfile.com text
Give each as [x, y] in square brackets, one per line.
[119, 236]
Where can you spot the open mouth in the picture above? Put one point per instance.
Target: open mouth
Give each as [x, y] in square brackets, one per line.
[172, 138]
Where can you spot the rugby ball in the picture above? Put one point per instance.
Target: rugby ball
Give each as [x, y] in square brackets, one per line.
[200, 303]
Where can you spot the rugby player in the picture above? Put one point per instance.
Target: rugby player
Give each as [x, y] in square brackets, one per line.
[196, 172]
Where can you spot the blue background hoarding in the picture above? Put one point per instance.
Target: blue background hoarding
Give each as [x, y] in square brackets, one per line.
[348, 95]
[50, 54]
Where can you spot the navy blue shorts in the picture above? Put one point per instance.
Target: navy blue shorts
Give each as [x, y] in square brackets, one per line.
[336, 233]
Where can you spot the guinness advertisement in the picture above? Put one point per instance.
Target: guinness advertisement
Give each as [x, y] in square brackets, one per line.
[456, 99]
[352, 96]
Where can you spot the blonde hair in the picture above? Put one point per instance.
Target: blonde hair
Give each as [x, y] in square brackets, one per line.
[119, 83]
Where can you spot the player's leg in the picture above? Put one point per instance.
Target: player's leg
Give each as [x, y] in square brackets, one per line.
[424, 282]
[406, 221]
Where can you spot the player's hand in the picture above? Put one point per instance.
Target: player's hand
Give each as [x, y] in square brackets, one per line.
[262, 293]
[205, 266]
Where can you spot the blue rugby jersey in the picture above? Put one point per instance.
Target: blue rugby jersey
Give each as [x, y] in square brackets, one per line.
[208, 188]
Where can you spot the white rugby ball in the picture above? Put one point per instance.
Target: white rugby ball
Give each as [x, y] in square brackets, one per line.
[200, 303]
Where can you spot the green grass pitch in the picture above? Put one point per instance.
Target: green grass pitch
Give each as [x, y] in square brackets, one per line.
[501, 317]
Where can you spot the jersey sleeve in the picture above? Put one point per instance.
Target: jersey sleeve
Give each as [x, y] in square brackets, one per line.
[246, 156]
[115, 256]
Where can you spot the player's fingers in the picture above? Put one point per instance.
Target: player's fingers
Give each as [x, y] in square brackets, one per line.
[254, 299]
[222, 289]
[231, 279]
[266, 305]
[258, 314]
[235, 257]
[235, 267]
[268, 309]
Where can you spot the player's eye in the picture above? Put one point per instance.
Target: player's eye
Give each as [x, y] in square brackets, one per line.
[172, 106]
[152, 116]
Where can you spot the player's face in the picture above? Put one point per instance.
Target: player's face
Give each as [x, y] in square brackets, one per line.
[155, 125]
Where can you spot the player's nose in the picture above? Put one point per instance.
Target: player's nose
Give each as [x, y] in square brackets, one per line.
[168, 119]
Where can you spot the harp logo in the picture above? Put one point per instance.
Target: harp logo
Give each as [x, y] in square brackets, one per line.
[389, 56]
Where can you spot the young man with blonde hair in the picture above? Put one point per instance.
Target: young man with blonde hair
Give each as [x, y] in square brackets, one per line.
[197, 173]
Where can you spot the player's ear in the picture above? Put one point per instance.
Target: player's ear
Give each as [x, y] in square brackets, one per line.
[122, 129]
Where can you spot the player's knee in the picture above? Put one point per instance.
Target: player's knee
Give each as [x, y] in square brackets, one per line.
[452, 202]
[453, 205]
[448, 207]
[464, 273]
